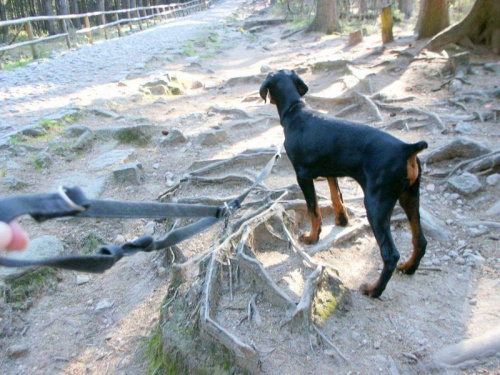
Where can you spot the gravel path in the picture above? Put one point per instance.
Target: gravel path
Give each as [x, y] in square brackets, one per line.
[28, 94]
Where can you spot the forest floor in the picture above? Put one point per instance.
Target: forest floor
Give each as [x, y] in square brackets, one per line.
[101, 324]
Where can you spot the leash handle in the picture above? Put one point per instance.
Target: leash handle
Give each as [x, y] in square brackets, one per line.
[41, 207]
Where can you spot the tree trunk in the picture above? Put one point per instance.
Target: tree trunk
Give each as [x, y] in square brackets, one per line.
[326, 19]
[480, 26]
[3, 17]
[73, 9]
[49, 11]
[406, 7]
[387, 23]
[432, 18]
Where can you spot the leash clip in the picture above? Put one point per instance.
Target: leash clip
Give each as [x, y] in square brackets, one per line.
[62, 191]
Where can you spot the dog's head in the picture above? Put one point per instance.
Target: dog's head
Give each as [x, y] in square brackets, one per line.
[283, 82]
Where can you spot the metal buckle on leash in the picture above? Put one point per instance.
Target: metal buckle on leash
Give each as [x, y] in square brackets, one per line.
[62, 192]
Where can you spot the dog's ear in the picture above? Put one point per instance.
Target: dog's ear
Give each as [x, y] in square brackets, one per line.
[264, 88]
[299, 84]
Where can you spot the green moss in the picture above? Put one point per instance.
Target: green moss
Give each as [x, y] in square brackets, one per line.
[325, 305]
[91, 243]
[132, 137]
[37, 163]
[28, 286]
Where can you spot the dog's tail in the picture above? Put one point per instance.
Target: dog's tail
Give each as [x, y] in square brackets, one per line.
[413, 167]
[415, 148]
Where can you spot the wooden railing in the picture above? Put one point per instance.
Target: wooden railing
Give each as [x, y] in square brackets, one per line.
[158, 12]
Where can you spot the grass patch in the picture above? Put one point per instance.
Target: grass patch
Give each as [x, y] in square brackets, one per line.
[20, 291]
[91, 243]
[154, 354]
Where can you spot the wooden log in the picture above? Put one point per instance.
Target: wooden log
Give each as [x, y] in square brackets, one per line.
[118, 27]
[87, 26]
[29, 30]
[387, 23]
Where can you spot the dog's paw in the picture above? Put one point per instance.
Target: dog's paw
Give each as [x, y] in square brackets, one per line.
[308, 239]
[407, 268]
[370, 290]
[342, 219]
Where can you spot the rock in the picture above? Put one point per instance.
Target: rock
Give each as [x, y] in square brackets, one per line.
[436, 262]
[465, 184]
[493, 179]
[33, 131]
[433, 226]
[129, 174]
[477, 232]
[156, 166]
[212, 138]
[242, 124]
[75, 130]
[162, 272]
[473, 301]
[82, 279]
[43, 160]
[149, 228]
[453, 254]
[38, 248]
[331, 65]
[234, 112]
[84, 141]
[158, 90]
[103, 304]
[494, 210]
[256, 79]
[196, 85]
[13, 183]
[460, 261]
[430, 187]
[139, 134]
[104, 113]
[453, 197]
[376, 345]
[92, 184]
[17, 350]
[492, 67]
[111, 158]
[266, 69]
[458, 148]
[464, 128]
[356, 37]
[174, 137]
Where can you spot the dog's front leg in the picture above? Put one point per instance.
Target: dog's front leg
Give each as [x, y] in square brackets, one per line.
[307, 186]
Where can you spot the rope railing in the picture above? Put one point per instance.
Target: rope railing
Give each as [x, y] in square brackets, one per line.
[133, 15]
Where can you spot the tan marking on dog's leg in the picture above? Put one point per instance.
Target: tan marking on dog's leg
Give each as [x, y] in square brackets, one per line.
[412, 167]
[313, 235]
[341, 216]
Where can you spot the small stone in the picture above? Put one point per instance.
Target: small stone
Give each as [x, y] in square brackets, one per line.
[460, 261]
[376, 345]
[450, 221]
[453, 254]
[149, 228]
[453, 197]
[494, 210]
[119, 239]
[170, 183]
[130, 174]
[212, 138]
[162, 272]
[466, 183]
[174, 137]
[356, 37]
[430, 187]
[473, 301]
[436, 262]
[103, 304]
[464, 128]
[82, 279]
[156, 165]
[84, 141]
[196, 85]
[493, 179]
[43, 160]
[266, 69]
[76, 130]
[446, 258]
[17, 350]
[33, 131]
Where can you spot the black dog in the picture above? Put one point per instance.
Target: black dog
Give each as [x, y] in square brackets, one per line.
[386, 168]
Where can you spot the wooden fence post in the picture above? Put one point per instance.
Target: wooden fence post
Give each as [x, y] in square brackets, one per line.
[103, 20]
[139, 17]
[87, 26]
[29, 30]
[117, 18]
[65, 30]
[129, 23]
[387, 23]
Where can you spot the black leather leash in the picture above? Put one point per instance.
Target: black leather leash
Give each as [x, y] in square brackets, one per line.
[72, 202]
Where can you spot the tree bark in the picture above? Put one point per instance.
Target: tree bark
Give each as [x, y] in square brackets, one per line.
[3, 17]
[326, 19]
[73, 9]
[480, 27]
[433, 17]
[49, 11]
[387, 24]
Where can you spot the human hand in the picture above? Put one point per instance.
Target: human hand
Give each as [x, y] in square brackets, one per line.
[12, 237]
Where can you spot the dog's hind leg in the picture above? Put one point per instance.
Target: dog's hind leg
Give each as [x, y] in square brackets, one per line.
[409, 200]
[341, 216]
[307, 186]
[379, 210]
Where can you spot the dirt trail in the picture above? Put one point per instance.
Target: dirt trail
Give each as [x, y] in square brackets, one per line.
[102, 326]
